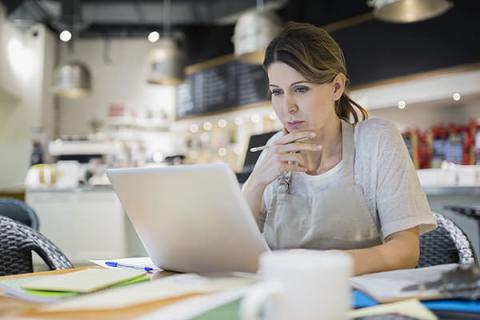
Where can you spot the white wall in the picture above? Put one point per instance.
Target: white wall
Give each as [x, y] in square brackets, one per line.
[428, 99]
[120, 81]
[22, 71]
[427, 114]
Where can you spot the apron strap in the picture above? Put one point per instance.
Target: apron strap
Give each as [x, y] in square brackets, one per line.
[348, 149]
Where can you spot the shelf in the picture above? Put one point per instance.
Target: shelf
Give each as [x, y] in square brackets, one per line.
[59, 147]
[452, 190]
[140, 123]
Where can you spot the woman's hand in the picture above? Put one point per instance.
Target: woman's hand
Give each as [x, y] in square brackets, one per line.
[283, 155]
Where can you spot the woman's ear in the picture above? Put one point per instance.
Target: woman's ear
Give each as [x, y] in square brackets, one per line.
[338, 86]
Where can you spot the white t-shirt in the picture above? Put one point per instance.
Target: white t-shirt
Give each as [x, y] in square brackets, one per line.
[386, 173]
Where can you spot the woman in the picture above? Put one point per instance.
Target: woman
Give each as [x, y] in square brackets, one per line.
[324, 183]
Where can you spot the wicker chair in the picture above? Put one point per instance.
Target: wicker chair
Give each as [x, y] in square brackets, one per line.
[17, 242]
[472, 212]
[19, 211]
[446, 244]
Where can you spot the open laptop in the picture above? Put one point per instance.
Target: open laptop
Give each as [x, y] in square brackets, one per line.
[190, 218]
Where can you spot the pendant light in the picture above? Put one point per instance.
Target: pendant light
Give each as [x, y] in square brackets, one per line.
[72, 80]
[166, 61]
[253, 32]
[405, 11]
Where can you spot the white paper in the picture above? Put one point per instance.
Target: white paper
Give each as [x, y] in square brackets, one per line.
[387, 286]
[411, 308]
[195, 306]
[155, 290]
[140, 262]
[83, 281]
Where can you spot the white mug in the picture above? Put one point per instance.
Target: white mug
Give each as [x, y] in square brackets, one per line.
[301, 284]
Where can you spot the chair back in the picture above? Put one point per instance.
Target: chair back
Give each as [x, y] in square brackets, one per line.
[446, 244]
[19, 211]
[17, 242]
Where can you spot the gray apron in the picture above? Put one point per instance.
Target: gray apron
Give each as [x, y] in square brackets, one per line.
[335, 218]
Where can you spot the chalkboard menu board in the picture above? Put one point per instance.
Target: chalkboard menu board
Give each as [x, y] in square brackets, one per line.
[221, 87]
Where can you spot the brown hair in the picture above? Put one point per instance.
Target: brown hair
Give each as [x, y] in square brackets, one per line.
[312, 52]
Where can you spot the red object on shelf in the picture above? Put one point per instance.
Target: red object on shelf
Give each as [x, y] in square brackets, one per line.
[116, 110]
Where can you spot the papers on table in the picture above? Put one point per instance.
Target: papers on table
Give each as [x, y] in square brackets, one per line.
[83, 281]
[410, 308]
[12, 288]
[170, 289]
[195, 306]
[387, 286]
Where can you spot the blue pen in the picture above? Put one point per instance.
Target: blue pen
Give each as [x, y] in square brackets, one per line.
[122, 265]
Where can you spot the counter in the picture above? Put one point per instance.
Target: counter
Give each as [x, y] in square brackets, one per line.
[85, 223]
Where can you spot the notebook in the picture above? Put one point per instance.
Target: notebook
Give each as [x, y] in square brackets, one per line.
[83, 281]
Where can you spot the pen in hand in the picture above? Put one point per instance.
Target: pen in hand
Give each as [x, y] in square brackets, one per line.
[122, 265]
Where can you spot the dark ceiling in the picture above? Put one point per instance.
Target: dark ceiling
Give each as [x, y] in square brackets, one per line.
[138, 17]
[374, 50]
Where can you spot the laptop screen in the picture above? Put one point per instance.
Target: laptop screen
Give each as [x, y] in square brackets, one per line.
[256, 140]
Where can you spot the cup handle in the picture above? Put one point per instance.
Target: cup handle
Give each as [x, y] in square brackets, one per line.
[256, 297]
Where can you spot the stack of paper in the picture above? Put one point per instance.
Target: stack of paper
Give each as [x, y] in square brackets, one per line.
[169, 290]
[409, 308]
[83, 281]
[388, 286]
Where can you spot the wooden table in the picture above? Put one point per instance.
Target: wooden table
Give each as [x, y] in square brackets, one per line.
[11, 308]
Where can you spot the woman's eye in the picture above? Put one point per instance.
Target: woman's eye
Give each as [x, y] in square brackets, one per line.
[276, 92]
[301, 89]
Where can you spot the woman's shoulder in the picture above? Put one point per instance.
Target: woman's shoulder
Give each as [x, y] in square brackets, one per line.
[375, 125]
[375, 136]
[375, 129]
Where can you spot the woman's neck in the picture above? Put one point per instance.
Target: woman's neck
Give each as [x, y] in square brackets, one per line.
[330, 138]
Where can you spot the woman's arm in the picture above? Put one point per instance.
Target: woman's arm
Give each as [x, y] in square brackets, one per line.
[253, 193]
[401, 250]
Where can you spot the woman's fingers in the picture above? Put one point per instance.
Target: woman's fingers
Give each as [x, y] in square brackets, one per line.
[296, 147]
[296, 136]
[293, 166]
[292, 157]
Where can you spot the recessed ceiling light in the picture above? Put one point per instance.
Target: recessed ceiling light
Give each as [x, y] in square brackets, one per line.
[255, 118]
[65, 35]
[456, 96]
[207, 126]
[402, 104]
[193, 128]
[153, 36]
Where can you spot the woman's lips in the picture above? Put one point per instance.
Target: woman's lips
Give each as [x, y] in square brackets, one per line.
[294, 124]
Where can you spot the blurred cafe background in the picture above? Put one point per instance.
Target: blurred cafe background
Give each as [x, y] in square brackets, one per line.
[91, 84]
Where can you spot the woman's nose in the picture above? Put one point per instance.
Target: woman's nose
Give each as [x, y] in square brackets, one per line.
[292, 107]
[290, 104]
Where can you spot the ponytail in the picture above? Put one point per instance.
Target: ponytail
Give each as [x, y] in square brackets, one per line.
[345, 108]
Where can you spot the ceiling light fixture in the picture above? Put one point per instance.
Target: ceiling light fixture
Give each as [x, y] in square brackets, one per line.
[253, 32]
[406, 11]
[456, 96]
[73, 79]
[153, 36]
[65, 35]
[166, 61]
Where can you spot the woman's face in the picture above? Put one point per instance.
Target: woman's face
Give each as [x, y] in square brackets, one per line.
[299, 104]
